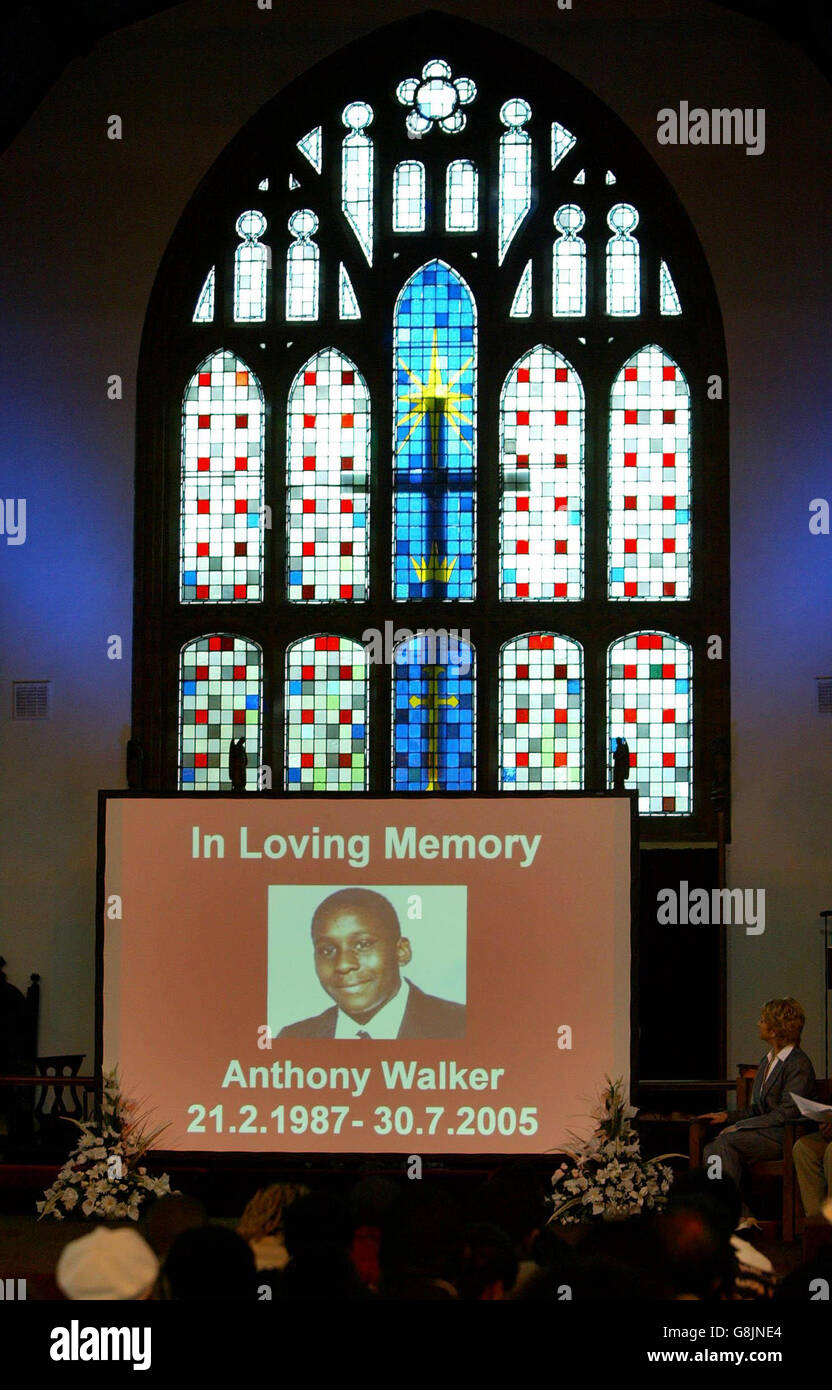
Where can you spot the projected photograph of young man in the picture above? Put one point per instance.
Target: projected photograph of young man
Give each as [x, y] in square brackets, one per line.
[369, 969]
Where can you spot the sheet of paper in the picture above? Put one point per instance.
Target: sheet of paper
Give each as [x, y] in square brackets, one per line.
[812, 1109]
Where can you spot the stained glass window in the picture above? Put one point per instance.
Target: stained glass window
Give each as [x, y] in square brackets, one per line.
[649, 521]
[221, 698]
[670, 303]
[328, 443]
[515, 195]
[326, 715]
[541, 714]
[650, 706]
[436, 98]
[623, 273]
[542, 463]
[521, 305]
[409, 196]
[580, 177]
[221, 534]
[562, 142]
[251, 268]
[348, 307]
[569, 264]
[433, 716]
[434, 442]
[302, 267]
[311, 147]
[204, 311]
[461, 196]
[357, 174]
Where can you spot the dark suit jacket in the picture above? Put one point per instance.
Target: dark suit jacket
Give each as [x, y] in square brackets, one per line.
[426, 1016]
[771, 1105]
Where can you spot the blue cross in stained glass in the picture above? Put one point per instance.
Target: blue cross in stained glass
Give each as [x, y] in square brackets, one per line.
[435, 351]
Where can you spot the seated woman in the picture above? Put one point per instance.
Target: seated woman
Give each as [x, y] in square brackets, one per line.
[756, 1134]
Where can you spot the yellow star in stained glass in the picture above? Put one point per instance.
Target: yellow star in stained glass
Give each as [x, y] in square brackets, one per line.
[434, 398]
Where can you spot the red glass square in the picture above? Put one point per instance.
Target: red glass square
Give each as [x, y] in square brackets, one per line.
[307, 759]
[560, 547]
[669, 546]
[669, 672]
[668, 417]
[630, 504]
[307, 590]
[331, 643]
[630, 417]
[346, 547]
[240, 547]
[309, 504]
[241, 378]
[205, 379]
[309, 378]
[200, 716]
[522, 504]
[668, 759]
[241, 465]
[346, 422]
[560, 759]
[668, 373]
[201, 760]
[522, 417]
[521, 759]
[630, 459]
[630, 547]
[346, 464]
[308, 548]
[631, 373]
[309, 422]
[561, 504]
[561, 374]
[201, 673]
[203, 506]
[668, 716]
[522, 547]
[561, 460]
[203, 465]
[345, 759]
[240, 591]
[523, 374]
[668, 460]
[522, 716]
[522, 673]
[345, 673]
[307, 673]
[560, 672]
[202, 548]
[560, 716]
[522, 460]
[560, 591]
[631, 588]
[321, 644]
[669, 589]
[669, 504]
[630, 672]
[345, 591]
[561, 417]
[668, 803]
[522, 590]
[241, 506]
[345, 716]
[629, 716]
[307, 716]
[241, 422]
[347, 378]
[309, 463]
[214, 644]
[203, 422]
[547, 644]
[346, 506]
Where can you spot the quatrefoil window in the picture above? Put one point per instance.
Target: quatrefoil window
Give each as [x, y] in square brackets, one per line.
[435, 98]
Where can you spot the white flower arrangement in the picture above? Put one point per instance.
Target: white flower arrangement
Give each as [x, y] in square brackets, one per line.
[103, 1175]
[606, 1176]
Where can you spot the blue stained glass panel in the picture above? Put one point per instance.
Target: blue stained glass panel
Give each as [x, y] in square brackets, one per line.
[435, 356]
[433, 717]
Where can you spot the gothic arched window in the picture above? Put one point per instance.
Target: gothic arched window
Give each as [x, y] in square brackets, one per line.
[431, 486]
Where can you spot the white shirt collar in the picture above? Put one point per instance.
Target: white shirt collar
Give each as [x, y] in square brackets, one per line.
[781, 1056]
[385, 1024]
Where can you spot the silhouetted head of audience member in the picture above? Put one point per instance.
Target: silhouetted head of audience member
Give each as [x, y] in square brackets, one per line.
[489, 1264]
[371, 1201]
[211, 1264]
[513, 1199]
[722, 1194]
[168, 1217]
[318, 1233]
[422, 1245]
[696, 1254]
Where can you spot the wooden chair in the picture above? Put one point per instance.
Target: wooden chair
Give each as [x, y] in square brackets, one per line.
[782, 1168]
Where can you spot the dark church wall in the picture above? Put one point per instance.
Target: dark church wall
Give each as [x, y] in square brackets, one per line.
[83, 225]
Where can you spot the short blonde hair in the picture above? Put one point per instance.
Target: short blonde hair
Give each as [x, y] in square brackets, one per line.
[786, 1019]
[264, 1214]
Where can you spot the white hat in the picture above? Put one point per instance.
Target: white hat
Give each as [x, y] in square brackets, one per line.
[107, 1264]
